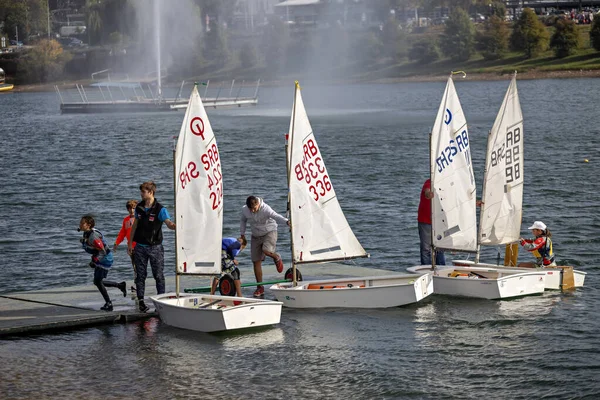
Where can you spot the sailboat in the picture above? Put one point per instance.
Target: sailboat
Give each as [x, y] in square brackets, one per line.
[454, 225]
[321, 234]
[502, 200]
[198, 235]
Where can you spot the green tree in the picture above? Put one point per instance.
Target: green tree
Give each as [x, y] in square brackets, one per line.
[595, 34]
[25, 16]
[424, 51]
[248, 58]
[367, 48]
[276, 37]
[93, 17]
[45, 61]
[458, 41]
[565, 39]
[498, 9]
[215, 45]
[390, 35]
[493, 41]
[14, 17]
[529, 34]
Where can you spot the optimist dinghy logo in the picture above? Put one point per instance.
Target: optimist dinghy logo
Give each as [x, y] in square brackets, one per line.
[448, 118]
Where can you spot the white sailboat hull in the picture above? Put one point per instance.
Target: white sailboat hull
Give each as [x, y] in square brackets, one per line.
[359, 292]
[206, 313]
[553, 275]
[484, 283]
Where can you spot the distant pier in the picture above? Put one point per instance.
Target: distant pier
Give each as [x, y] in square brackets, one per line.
[115, 97]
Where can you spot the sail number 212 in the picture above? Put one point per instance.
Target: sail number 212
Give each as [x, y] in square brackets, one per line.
[212, 166]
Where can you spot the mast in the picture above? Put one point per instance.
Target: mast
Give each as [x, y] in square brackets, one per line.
[481, 208]
[431, 200]
[176, 222]
[288, 161]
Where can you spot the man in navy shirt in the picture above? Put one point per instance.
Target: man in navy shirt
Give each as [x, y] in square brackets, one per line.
[146, 232]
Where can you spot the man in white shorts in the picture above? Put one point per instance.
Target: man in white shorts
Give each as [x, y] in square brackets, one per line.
[263, 222]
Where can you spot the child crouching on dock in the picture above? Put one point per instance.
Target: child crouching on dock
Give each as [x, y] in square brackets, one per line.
[230, 248]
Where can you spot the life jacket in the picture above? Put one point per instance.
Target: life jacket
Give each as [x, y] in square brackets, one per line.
[545, 254]
[149, 228]
[106, 261]
[424, 214]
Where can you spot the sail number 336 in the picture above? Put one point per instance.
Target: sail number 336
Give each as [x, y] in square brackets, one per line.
[312, 171]
[510, 153]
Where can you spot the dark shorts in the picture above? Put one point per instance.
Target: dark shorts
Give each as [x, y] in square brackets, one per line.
[100, 273]
[235, 274]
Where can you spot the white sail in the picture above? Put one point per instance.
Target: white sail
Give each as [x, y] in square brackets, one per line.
[198, 193]
[502, 207]
[320, 231]
[453, 220]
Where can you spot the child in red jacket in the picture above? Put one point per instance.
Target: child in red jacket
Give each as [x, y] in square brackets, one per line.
[125, 232]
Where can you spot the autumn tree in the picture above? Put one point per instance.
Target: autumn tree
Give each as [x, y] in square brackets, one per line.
[529, 34]
[45, 61]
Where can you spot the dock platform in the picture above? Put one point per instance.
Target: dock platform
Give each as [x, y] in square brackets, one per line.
[61, 309]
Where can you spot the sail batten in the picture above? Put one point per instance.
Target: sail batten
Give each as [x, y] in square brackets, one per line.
[454, 225]
[320, 231]
[198, 194]
[502, 209]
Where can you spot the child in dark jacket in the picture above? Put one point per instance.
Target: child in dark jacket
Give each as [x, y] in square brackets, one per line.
[102, 259]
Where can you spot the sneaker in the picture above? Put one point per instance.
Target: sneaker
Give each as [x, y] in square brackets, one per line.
[143, 307]
[279, 265]
[107, 307]
[259, 292]
[123, 287]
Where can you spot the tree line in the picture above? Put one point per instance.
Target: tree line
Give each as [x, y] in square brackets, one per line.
[278, 49]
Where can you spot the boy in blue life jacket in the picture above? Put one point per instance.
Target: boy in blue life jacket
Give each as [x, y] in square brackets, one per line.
[102, 259]
[230, 248]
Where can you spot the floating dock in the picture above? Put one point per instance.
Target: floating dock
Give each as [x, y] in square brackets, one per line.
[114, 97]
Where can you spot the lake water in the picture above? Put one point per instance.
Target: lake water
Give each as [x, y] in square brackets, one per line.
[374, 138]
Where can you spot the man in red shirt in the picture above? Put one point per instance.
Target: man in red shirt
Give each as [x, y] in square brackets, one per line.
[424, 219]
[125, 232]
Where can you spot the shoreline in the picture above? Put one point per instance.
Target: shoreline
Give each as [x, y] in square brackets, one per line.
[474, 76]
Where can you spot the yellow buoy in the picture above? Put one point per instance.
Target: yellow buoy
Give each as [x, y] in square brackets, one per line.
[585, 160]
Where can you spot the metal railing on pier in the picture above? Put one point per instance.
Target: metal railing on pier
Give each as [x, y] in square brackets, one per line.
[122, 96]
